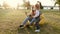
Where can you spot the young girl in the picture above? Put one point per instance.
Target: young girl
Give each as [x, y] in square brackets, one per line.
[37, 17]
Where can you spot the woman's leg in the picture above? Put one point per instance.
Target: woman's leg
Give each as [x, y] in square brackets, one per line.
[25, 21]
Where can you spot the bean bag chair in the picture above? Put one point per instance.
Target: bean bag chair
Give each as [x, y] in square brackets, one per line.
[42, 21]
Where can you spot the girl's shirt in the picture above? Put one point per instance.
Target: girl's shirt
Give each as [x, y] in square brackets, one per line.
[37, 13]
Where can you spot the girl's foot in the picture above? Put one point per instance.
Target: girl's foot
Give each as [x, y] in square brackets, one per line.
[38, 30]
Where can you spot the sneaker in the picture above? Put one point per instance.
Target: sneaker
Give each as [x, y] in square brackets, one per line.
[37, 30]
[21, 26]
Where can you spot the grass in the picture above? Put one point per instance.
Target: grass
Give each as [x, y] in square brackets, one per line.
[11, 19]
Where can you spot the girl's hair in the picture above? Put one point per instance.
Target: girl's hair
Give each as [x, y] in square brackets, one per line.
[37, 6]
[33, 7]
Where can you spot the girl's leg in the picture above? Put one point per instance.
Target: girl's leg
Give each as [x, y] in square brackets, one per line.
[37, 25]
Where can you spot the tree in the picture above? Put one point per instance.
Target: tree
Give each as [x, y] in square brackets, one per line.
[5, 5]
[18, 6]
[26, 4]
[0, 6]
[58, 2]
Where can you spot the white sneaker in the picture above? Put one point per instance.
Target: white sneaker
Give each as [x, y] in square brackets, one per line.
[37, 30]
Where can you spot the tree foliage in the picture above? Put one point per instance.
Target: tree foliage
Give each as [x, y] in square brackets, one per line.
[5, 5]
[26, 4]
[58, 2]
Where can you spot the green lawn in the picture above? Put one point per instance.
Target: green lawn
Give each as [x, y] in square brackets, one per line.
[11, 19]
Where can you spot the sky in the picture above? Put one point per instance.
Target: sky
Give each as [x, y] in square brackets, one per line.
[13, 3]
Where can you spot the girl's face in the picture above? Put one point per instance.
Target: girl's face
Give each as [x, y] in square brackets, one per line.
[37, 6]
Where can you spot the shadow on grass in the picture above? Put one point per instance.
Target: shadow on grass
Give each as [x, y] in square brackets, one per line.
[44, 29]
[32, 30]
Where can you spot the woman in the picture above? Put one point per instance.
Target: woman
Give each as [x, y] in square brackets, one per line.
[29, 17]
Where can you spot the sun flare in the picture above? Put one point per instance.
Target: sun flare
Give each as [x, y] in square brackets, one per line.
[13, 3]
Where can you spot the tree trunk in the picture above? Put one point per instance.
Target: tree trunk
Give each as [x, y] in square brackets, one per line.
[59, 7]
